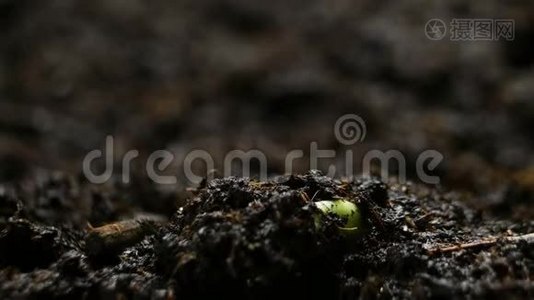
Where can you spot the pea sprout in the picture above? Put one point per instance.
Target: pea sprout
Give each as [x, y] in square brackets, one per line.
[344, 209]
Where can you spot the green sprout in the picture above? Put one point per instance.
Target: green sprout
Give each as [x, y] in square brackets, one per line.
[344, 209]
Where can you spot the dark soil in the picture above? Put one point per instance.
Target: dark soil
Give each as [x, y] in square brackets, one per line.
[221, 75]
[242, 238]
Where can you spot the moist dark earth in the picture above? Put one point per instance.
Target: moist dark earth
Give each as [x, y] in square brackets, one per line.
[220, 75]
[246, 239]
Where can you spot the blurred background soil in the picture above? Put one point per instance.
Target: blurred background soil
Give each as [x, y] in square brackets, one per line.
[266, 75]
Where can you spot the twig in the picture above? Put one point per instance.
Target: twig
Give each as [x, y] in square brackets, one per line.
[112, 238]
[529, 238]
